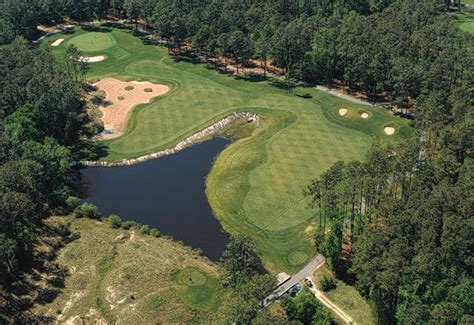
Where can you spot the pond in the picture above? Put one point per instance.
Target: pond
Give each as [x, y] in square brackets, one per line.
[166, 193]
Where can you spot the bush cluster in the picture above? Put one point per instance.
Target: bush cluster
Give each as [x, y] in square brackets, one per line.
[327, 283]
[116, 222]
[87, 210]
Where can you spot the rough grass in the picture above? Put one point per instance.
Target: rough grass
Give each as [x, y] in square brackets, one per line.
[465, 20]
[348, 299]
[256, 185]
[120, 275]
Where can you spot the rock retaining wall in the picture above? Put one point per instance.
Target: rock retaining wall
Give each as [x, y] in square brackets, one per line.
[189, 141]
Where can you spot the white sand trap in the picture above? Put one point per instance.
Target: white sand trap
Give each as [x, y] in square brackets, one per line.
[57, 42]
[92, 59]
[343, 111]
[389, 130]
[115, 112]
[364, 115]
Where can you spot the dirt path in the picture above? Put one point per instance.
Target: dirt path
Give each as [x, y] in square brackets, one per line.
[329, 304]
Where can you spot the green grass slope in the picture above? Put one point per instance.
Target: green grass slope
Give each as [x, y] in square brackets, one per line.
[348, 299]
[465, 20]
[256, 185]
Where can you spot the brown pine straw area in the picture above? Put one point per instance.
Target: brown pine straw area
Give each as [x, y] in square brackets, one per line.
[121, 98]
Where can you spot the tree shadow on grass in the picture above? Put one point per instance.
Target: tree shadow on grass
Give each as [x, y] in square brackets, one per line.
[40, 280]
[100, 29]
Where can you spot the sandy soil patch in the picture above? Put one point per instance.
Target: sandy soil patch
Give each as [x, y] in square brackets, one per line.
[57, 42]
[364, 115]
[343, 111]
[389, 130]
[120, 101]
[92, 59]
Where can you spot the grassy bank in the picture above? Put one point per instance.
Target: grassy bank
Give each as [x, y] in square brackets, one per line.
[465, 20]
[256, 185]
[115, 274]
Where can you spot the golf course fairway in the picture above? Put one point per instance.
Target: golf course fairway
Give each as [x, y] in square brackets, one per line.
[256, 185]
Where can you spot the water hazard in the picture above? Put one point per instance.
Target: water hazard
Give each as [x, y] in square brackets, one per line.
[166, 193]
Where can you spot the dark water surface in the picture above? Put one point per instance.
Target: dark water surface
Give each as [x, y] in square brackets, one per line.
[166, 193]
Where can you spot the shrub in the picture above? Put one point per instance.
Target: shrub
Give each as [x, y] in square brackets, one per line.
[87, 210]
[327, 283]
[120, 98]
[128, 225]
[72, 202]
[155, 232]
[148, 90]
[144, 230]
[129, 88]
[63, 229]
[114, 221]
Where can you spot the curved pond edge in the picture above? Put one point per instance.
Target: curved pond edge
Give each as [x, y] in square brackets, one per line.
[189, 141]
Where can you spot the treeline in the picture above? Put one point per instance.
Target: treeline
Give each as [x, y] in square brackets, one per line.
[44, 129]
[387, 47]
[401, 222]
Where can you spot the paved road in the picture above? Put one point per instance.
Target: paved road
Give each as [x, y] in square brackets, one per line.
[298, 277]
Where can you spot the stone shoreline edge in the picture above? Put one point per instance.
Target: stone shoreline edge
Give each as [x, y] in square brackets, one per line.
[189, 141]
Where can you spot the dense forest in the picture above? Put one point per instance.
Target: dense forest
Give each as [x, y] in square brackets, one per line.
[44, 129]
[398, 224]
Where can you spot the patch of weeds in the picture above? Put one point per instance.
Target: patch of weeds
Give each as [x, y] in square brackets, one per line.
[129, 88]
[120, 98]
[148, 90]
[238, 130]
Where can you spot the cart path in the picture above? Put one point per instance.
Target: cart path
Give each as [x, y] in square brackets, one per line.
[307, 270]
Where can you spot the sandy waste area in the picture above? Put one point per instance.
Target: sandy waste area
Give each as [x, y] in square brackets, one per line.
[119, 102]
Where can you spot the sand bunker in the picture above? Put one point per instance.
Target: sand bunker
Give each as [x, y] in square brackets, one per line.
[57, 42]
[92, 59]
[343, 111]
[364, 115]
[115, 111]
[389, 130]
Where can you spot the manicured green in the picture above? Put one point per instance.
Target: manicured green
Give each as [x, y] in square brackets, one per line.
[465, 20]
[198, 288]
[91, 42]
[256, 185]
